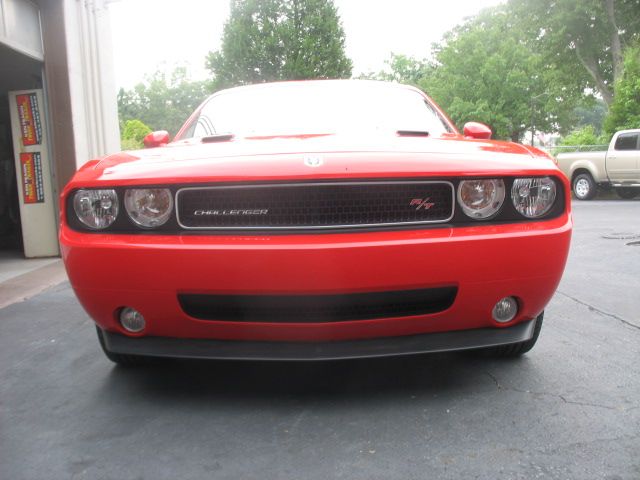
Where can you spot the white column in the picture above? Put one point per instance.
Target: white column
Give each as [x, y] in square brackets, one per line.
[91, 79]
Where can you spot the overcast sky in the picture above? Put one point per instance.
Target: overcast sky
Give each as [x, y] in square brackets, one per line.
[153, 34]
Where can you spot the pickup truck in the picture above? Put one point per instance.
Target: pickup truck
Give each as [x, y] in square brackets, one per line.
[617, 168]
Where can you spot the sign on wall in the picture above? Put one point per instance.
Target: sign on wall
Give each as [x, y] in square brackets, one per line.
[33, 172]
[32, 182]
[29, 116]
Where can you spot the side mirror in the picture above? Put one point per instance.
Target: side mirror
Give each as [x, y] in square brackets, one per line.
[477, 130]
[156, 139]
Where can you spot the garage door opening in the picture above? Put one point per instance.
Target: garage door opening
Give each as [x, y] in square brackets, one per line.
[10, 231]
[19, 72]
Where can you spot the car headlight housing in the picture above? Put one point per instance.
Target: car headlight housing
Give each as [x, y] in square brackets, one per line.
[149, 207]
[96, 209]
[533, 197]
[481, 199]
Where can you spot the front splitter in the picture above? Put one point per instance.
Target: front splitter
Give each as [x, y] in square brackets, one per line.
[310, 351]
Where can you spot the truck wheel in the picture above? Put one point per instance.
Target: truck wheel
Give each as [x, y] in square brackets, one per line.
[584, 188]
[628, 192]
[121, 359]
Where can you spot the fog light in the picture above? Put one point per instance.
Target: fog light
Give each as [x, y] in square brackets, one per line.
[505, 310]
[132, 320]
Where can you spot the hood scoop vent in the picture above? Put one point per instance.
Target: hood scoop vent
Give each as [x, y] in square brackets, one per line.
[412, 133]
[222, 137]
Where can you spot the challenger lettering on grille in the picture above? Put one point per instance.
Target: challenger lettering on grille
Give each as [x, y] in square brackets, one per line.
[200, 213]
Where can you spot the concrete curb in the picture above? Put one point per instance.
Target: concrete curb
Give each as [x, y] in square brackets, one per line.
[22, 287]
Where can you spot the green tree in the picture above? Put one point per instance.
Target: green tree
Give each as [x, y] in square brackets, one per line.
[270, 40]
[132, 134]
[625, 109]
[591, 111]
[163, 101]
[584, 40]
[401, 69]
[484, 71]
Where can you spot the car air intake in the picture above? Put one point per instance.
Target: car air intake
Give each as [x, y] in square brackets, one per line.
[315, 205]
[317, 308]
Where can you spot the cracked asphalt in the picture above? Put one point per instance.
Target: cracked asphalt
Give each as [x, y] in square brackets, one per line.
[570, 409]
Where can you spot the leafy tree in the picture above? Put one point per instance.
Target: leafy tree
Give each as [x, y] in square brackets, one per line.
[132, 135]
[401, 69]
[163, 101]
[625, 109]
[591, 111]
[270, 40]
[484, 71]
[582, 39]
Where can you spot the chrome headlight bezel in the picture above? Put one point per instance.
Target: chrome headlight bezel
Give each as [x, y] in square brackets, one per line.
[96, 209]
[486, 208]
[534, 197]
[154, 212]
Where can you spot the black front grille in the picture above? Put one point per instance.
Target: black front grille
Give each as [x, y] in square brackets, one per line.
[309, 206]
[317, 308]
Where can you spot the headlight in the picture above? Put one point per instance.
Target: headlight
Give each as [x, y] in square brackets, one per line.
[97, 209]
[533, 197]
[149, 207]
[481, 199]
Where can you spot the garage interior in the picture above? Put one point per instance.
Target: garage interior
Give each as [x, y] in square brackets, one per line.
[17, 72]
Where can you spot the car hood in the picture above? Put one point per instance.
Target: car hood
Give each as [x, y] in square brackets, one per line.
[334, 156]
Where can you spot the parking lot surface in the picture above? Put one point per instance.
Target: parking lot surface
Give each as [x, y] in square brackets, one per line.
[570, 409]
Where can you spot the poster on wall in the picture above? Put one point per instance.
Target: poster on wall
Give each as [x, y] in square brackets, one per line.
[29, 118]
[36, 195]
[32, 184]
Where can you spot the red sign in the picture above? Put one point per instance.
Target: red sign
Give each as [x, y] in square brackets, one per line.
[29, 115]
[31, 169]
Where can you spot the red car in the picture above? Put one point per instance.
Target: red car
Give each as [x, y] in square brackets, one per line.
[317, 220]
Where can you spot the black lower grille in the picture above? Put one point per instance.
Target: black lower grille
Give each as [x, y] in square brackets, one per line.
[313, 206]
[317, 308]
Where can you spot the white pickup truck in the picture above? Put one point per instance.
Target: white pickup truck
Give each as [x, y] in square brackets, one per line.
[618, 167]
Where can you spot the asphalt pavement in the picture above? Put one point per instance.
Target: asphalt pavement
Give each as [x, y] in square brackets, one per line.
[570, 409]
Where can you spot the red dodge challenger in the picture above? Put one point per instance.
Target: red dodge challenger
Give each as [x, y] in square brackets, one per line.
[317, 220]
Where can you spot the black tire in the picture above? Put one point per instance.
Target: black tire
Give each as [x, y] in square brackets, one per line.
[516, 349]
[584, 187]
[627, 193]
[119, 358]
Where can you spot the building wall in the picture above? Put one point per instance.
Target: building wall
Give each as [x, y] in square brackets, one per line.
[63, 47]
[91, 79]
[58, 95]
[20, 27]
[79, 81]
[80, 84]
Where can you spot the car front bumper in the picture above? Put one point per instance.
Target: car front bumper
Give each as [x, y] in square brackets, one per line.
[149, 272]
[303, 351]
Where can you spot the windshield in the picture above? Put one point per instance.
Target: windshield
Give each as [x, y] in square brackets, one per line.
[312, 108]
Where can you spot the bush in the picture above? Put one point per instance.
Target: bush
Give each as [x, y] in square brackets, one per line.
[583, 136]
[133, 133]
[582, 139]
